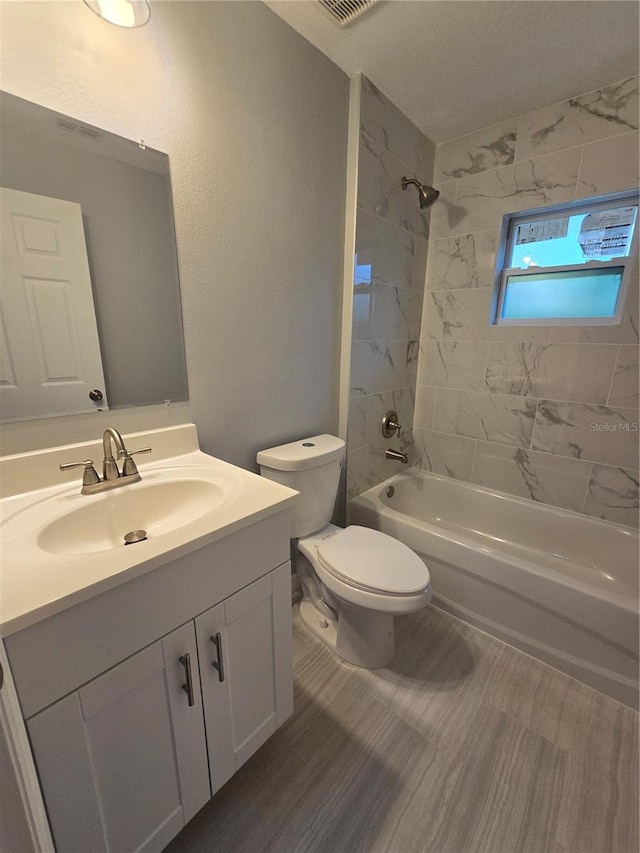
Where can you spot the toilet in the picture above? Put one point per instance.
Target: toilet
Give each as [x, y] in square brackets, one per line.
[354, 580]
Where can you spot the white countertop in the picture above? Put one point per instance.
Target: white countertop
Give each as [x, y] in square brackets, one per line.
[35, 584]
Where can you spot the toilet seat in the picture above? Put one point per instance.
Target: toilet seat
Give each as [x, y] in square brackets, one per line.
[372, 561]
[345, 569]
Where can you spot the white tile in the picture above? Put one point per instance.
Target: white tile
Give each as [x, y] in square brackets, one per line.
[377, 366]
[609, 166]
[490, 417]
[444, 215]
[382, 312]
[613, 495]
[624, 388]
[389, 127]
[420, 254]
[402, 401]
[424, 408]
[414, 302]
[395, 204]
[366, 468]
[547, 180]
[388, 250]
[596, 433]
[432, 315]
[454, 364]
[465, 261]
[357, 425]
[467, 315]
[605, 112]
[529, 474]
[483, 199]
[368, 174]
[579, 372]
[412, 354]
[451, 455]
[485, 149]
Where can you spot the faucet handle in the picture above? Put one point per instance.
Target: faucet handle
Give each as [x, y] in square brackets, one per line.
[129, 466]
[390, 425]
[89, 476]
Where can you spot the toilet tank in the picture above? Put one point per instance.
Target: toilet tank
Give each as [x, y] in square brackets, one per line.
[312, 467]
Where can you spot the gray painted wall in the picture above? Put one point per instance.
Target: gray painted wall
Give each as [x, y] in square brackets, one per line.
[254, 120]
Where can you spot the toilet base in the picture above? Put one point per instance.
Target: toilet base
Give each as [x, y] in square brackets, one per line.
[361, 637]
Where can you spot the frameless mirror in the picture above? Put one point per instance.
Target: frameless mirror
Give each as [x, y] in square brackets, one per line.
[90, 297]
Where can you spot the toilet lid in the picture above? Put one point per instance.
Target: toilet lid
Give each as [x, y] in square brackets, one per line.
[372, 560]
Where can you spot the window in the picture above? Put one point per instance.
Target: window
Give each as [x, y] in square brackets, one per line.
[566, 265]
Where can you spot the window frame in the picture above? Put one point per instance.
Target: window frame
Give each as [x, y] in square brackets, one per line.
[510, 221]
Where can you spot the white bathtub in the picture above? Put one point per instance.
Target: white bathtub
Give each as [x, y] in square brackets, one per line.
[558, 585]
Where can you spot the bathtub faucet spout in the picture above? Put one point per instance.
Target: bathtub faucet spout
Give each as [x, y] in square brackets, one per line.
[390, 453]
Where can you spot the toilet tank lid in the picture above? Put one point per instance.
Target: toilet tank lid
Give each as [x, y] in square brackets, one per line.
[305, 453]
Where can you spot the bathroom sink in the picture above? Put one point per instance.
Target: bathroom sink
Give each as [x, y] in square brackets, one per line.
[60, 547]
[67, 523]
[153, 509]
[64, 523]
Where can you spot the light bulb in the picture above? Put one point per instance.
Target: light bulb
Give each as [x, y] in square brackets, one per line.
[123, 13]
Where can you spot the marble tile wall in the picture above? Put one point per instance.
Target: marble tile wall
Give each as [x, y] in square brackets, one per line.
[545, 413]
[390, 267]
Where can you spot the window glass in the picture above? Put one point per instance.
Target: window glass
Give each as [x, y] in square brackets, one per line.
[574, 239]
[576, 293]
[567, 264]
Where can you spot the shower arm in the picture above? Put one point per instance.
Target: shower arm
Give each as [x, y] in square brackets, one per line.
[407, 181]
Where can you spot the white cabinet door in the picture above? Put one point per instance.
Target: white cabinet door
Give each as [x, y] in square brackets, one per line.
[122, 761]
[49, 351]
[244, 645]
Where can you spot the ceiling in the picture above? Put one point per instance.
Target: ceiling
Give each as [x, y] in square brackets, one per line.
[454, 66]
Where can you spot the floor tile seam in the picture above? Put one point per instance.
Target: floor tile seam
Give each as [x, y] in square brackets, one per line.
[564, 748]
[391, 705]
[536, 661]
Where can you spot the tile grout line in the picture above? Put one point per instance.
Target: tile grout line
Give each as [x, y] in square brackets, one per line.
[613, 375]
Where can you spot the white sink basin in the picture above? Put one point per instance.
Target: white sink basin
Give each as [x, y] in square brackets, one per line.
[60, 547]
[156, 508]
[64, 523]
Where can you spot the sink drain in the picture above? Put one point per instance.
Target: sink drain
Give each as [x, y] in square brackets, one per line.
[135, 536]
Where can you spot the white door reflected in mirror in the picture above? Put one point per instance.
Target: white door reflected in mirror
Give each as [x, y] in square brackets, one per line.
[50, 358]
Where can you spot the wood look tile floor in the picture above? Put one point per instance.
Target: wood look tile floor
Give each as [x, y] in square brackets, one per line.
[462, 745]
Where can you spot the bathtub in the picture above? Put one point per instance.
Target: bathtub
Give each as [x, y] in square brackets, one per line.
[560, 586]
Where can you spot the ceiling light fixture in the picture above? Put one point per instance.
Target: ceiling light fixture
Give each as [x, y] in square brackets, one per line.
[123, 13]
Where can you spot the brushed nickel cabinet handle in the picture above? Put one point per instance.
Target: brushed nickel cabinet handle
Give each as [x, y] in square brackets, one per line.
[185, 660]
[218, 664]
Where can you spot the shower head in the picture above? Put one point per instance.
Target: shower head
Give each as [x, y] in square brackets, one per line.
[426, 195]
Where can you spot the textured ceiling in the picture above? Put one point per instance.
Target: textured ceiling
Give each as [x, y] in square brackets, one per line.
[454, 66]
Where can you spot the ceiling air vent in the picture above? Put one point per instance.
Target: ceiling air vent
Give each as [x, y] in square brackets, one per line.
[343, 12]
[74, 127]
[88, 131]
[67, 125]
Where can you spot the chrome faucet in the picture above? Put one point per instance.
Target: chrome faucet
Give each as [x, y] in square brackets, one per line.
[112, 477]
[399, 455]
[112, 438]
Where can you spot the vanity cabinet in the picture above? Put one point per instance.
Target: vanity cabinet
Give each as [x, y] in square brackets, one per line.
[127, 746]
[244, 646]
[122, 761]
